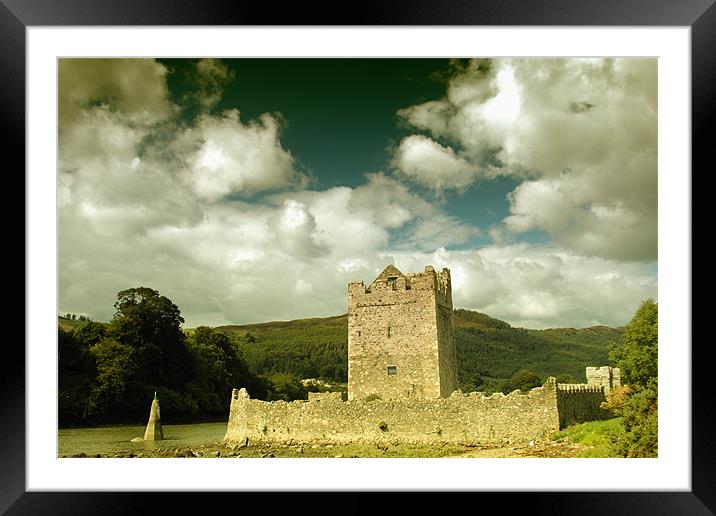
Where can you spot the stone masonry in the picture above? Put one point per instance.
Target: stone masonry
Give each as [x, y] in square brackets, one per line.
[460, 419]
[401, 341]
[469, 419]
[605, 376]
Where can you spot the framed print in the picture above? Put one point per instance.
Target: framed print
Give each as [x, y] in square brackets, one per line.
[235, 179]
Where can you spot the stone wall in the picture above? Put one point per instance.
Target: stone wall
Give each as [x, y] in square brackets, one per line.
[578, 403]
[447, 354]
[459, 419]
[401, 336]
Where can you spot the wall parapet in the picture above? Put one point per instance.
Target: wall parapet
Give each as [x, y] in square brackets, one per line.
[579, 387]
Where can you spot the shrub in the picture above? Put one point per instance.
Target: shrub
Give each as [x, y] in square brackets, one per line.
[383, 426]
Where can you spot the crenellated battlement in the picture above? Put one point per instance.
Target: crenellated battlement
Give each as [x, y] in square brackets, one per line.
[579, 387]
[392, 280]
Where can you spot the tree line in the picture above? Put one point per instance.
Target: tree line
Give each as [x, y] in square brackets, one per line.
[108, 373]
[75, 317]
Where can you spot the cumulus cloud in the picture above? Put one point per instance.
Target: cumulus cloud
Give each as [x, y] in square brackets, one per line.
[225, 156]
[433, 165]
[611, 228]
[295, 229]
[135, 89]
[387, 201]
[583, 132]
[290, 256]
[211, 77]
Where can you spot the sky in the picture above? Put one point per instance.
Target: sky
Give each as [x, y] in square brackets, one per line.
[253, 190]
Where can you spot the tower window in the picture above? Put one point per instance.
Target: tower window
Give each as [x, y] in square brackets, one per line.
[389, 331]
[392, 370]
[392, 280]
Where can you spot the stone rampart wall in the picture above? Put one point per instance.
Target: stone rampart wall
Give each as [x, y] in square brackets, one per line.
[462, 418]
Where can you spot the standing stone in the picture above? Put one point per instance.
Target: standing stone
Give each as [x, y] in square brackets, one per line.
[154, 427]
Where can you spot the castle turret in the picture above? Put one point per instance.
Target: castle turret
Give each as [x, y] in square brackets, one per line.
[607, 377]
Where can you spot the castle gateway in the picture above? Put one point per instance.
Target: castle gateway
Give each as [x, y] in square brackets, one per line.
[401, 341]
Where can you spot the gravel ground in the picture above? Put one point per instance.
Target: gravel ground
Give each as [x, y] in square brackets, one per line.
[538, 449]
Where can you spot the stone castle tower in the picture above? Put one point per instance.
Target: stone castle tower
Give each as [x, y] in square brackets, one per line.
[401, 341]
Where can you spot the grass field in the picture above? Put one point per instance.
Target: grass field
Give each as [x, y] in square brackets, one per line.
[597, 436]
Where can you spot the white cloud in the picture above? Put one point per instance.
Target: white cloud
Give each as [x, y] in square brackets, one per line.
[582, 131]
[295, 231]
[432, 165]
[540, 286]
[435, 231]
[559, 206]
[387, 201]
[227, 156]
[211, 77]
[136, 89]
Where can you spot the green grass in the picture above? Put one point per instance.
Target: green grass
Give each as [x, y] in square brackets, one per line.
[598, 435]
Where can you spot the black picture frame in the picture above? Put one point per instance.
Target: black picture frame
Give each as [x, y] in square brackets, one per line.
[699, 15]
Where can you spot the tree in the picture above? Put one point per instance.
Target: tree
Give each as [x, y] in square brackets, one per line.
[524, 380]
[565, 378]
[90, 333]
[470, 381]
[151, 325]
[115, 388]
[287, 387]
[76, 376]
[637, 358]
[218, 367]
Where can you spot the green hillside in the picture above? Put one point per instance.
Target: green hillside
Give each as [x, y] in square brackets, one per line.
[307, 348]
[489, 350]
[487, 357]
[69, 324]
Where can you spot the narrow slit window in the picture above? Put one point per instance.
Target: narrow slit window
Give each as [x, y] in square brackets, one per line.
[392, 370]
[392, 280]
[389, 331]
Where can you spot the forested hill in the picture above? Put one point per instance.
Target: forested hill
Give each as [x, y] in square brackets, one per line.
[108, 372]
[489, 351]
